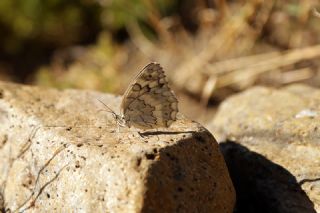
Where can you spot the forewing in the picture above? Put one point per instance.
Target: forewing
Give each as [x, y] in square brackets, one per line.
[149, 102]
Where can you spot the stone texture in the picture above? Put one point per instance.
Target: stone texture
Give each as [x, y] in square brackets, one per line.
[271, 142]
[59, 153]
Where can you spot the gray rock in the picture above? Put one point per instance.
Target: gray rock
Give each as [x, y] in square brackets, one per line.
[59, 153]
[271, 142]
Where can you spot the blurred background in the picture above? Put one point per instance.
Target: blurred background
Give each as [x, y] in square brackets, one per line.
[210, 49]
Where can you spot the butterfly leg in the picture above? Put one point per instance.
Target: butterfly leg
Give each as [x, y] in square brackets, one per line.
[141, 134]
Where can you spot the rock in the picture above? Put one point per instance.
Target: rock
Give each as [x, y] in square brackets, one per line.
[271, 142]
[59, 153]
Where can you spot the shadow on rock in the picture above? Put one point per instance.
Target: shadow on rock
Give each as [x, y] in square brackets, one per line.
[261, 185]
[190, 176]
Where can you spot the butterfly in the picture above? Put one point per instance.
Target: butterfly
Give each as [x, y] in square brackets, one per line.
[148, 102]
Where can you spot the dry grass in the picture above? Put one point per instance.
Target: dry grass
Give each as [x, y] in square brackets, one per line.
[216, 58]
[236, 45]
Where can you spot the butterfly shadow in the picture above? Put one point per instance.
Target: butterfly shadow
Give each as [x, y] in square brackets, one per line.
[161, 132]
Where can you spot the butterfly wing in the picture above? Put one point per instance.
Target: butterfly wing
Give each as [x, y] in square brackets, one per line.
[149, 102]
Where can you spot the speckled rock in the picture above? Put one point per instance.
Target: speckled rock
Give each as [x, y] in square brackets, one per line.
[60, 153]
[271, 142]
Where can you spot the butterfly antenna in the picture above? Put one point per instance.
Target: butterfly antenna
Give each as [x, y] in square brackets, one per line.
[108, 108]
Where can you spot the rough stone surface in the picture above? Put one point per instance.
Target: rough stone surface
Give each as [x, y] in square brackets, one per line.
[271, 142]
[59, 153]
